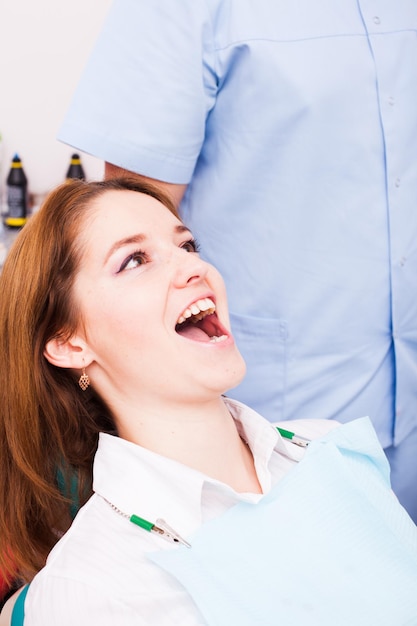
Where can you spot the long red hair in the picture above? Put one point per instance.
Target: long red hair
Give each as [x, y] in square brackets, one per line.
[48, 427]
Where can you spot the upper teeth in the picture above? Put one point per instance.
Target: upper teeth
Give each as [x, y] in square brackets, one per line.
[197, 310]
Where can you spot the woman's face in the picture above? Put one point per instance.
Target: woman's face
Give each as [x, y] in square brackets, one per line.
[154, 315]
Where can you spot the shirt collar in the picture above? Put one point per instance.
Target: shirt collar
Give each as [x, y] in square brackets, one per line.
[262, 436]
[138, 481]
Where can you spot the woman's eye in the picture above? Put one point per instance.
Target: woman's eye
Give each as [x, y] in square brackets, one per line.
[191, 246]
[132, 261]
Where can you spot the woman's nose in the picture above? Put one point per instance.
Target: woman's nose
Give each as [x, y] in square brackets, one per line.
[189, 268]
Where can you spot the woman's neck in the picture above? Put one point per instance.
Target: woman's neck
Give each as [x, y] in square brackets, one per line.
[203, 437]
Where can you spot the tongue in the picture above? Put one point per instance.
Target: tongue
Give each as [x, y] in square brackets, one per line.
[193, 332]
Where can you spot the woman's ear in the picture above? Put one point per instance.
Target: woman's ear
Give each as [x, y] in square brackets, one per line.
[70, 353]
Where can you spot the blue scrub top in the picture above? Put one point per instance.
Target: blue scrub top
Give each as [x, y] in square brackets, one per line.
[295, 124]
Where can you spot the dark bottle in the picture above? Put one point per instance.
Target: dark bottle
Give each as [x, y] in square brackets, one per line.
[75, 169]
[17, 195]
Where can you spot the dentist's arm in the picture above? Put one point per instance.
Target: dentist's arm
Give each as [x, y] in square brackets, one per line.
[176, 192]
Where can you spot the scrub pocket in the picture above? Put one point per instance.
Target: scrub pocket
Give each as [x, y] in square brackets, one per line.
[263, 344]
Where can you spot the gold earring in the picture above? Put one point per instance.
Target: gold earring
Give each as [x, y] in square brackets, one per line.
[84, 380]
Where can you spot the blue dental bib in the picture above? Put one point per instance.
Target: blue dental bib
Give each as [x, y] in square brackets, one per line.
[328, 545]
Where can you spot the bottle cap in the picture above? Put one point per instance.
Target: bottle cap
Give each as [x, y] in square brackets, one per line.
[16, 161]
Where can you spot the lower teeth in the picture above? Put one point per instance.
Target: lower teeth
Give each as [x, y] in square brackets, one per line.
[217, 339]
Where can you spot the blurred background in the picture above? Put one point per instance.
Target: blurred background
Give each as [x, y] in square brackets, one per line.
[43, 47]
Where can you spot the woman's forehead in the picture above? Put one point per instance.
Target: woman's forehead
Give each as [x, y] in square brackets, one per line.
[118, 218]
[115, 206]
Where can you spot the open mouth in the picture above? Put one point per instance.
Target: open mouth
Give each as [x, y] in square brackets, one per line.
[199, 322]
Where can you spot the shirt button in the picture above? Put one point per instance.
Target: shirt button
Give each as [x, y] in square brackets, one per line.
[397, 182]
[377, 20]
[391, 100]
[403, 261]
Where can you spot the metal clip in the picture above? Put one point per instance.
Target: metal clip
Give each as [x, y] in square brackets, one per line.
[169, 533]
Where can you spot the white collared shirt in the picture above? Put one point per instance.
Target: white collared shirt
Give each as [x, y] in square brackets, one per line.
[98, 573]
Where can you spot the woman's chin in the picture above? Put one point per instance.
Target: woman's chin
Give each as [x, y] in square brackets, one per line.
[235, 375]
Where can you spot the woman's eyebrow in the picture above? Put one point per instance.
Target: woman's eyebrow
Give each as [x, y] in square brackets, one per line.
[136, 239]
[180, 228]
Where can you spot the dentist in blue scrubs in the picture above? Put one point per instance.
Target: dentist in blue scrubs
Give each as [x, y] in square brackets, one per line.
[286, 132]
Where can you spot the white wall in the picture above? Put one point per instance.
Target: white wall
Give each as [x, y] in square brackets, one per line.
[43, 48]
